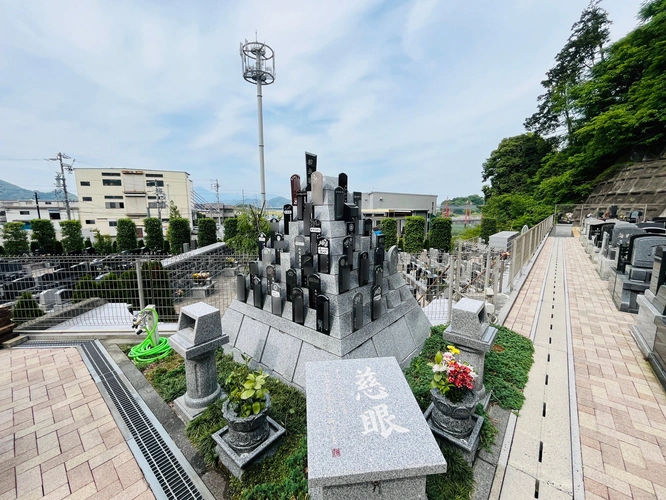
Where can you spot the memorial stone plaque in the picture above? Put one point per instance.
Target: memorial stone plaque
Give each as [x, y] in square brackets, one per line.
[379, 256]
[267, 256]
[307, 217]
[317, 188]
[301, 198]
[357, 312]
[348, 245]
[323, 255]
[363, 269]
[314, 289]
[376, 302]
[261, 242]
[393, 259]
[295, 188]
[292, 282]
[257, 293]
[357, 200]
[276, 299]
[323, 315]
[299, 250]
[287, 212]
[342, 182]
[339, 204]
[367, 227]
[298, 306]
[315, 232]
[307, 268]
[343, 274]
[241, 292]
[270, 277]
[379, 277]
[310, 167]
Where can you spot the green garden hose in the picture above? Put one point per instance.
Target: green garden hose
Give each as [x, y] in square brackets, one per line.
[152, 348]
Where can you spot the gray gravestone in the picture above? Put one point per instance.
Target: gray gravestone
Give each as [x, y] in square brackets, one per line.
[376, 305]
[366, 431]
[298, 306]
[393, 259]
[291, 282]
[299, 250]
[643, 251]
[276, 299]
[314, 289]
[357, 312]
[270, 276]
[363, 269]
[339, 204]
[348, 246]
[323, 315]
[344, 273]
[379, 277]
[317, 188]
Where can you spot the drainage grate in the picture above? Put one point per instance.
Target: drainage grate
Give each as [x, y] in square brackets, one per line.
[168, 471]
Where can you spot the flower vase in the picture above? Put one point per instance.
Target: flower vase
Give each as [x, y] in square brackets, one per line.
[246, 433]
[454, 418]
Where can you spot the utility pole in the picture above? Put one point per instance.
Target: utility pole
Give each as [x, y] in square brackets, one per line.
[39, 215]
[216, 186]
[159, 196]
[61, 180]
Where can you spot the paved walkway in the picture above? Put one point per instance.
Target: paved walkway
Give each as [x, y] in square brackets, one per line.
[621, 406]
[57, 436]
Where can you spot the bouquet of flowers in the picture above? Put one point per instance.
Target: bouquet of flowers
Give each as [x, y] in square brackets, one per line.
[201, 276]
[450, 376]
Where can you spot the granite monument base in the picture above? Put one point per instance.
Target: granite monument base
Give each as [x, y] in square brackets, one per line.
[395, 489]
[605, 267]
[467, 446]
[645, 329]
[237, 463]
[625, 292]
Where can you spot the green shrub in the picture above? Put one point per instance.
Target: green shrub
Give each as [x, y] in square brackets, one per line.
[86, 288]
[488, 228]
[157, 290]
[126, 235]
[72, 236]
[230, 228]
[15, 238]
[179, 233]
[43, 233]
[26, 308]
[154, 234]
[390, 229]
[207, 232]
[440, 233]
[414, 234]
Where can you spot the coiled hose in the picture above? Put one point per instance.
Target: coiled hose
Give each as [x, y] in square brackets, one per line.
[148, 351]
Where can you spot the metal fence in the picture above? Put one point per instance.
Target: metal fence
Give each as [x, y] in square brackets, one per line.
[523, 247]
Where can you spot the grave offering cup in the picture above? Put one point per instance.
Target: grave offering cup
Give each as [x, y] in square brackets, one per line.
[246, 433]
[454, 418]
[198, 337]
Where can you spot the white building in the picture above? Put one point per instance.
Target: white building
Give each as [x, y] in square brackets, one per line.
[378, 205]
[108, 194]
[26, 210]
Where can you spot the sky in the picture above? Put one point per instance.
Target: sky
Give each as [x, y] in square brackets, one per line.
[403, 96]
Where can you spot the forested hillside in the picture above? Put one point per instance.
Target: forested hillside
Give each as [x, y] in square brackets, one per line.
[603, 105]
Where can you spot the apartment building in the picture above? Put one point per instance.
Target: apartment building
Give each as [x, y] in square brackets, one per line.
[108, 194]
[379, 205]
[26, 210]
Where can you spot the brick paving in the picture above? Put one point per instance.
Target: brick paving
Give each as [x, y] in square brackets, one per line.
[57, 436]
[621, 404]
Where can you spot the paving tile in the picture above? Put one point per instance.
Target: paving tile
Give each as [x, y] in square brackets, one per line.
[53, 479]
[79, 476]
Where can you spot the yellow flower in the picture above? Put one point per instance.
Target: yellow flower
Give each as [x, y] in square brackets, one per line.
[452, 349]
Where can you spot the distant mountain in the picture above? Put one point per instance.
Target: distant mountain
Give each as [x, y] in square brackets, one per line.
[12, 192]
[277, 202]
[201, 195]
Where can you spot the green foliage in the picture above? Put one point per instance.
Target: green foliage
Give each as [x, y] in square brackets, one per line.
[86, 288]
[109, 288]
[157, 290]
[43, 233]
[166, 247]
[130, 287]
[507, 367]
[126, 235]
[488, 228]
[72, 236]
[389, 227]
[469, 233]
[473, 199]
[458, 481]
[246, 389]
[440, 233]
[512, 211]
[230, 228]
[178, 233]
[16, 238]
[154, 235]
[250, 222]
[26, 308]
[103, 243]
[87, 243]
[2, 250]
[207, 232]
[114, 247]
[174, 213]
[401, 244]
[414, 233]
[488, 430]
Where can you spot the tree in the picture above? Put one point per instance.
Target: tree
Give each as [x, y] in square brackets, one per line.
[230, 228]
[103, 243]
[488, 228]
[174, 213]
[26, 308]
[157, 289]
[473, 199]
[513, 165]
[154, 235]
[43, 233]
[414, 233]
[440, 233]
[126, 235]
[207, 232]
[390, 229]
[86, 288]
[88, 243]
[16, 238]
[72, 236]
[251, 222]
[512, 211]
[179, 233]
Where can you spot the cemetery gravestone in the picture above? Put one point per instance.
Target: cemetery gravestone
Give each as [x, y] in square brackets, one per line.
[298, 306]
[307, 270]
[257, 293]
[317, 196]
[363, 269]
[314, 289]
[376, 302]
[291, 283]
[287, 212]
[357, 312]
[342, 182]
[270, 276]
[315, 232]
[307, 217]
[295, 188]
[357, 199]
[323, 255]
[343, 274]
[310, 168]
[348, 246]
[276, 299]
[301, 197]
[379, 277]
[241, 290]
[299, 250]
[339, 203]
[261, 242]
[323, 315]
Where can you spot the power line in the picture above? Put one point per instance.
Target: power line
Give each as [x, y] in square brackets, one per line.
[61, 178]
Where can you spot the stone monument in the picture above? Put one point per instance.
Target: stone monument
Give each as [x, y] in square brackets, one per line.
[651, 305]
[367, 437]
[198, 337]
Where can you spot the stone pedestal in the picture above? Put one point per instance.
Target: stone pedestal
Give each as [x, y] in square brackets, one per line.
[199, 335]
[367, 437]
[645, 329]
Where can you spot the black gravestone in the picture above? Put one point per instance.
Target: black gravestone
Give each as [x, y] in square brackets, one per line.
[658, 270]
[367, 227]
[314, 289]
[295, 188]
[270, 276]
[298, 306]
[254, 271]
[301, 197]
[287, 212]
[357, 199]
[357, 312]
[379, 256]
[315, 232]
[344, 272]
[257, 292]
[351, 212]
[342, 182]
[292, 283]
[339, 204]
[261, 241]
[363, 269]
[348, 245]
[376, 302]
[310, 166]
[307, 217]
[307, 268]
[241, 291]
[379, 276]
[279, 246]
[381, 240]
[323, 315]
[299, 250]
[274, 228]
[276, 299]
[323, 257]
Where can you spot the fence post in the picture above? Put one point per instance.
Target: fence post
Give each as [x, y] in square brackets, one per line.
[487, 281]
[459, 270]
[142, 301]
